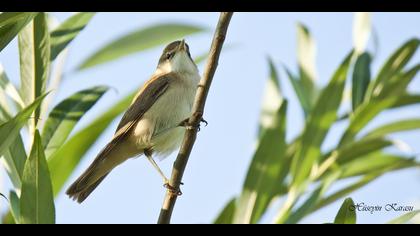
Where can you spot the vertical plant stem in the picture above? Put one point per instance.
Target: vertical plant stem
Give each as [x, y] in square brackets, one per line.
[195, 119]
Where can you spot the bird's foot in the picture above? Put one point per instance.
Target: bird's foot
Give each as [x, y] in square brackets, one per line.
[172, 190]
[185, 123]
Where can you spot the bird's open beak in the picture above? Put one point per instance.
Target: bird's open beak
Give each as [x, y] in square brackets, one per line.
[181, 46]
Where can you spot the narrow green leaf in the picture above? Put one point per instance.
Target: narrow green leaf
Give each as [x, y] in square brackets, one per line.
[360, 148]
[11, 129]
[347, 213]
[319, 122]
[398, 84]
[361, 79]
[14, 160]
[11, 17]
[361, 31]
[67, 32]
[138, 41]
[345, 191]
[375, 161]
[63, 162]
[264, 171]
[306, 52]
[14, 206]
[315, 197]
[226, 215]
[404, 218]
[11, 24]
[34, 50]
[363, 115]
[8, 88]
[64, 117]
[393, 66]
[303, 97]
[272, 99]
[37, 200]
[398, 126]
[406, 100]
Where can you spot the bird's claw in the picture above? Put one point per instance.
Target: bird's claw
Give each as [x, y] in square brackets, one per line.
[173, 190]
[185, 123]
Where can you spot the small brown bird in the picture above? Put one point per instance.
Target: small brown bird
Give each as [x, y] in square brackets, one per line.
[151, 125]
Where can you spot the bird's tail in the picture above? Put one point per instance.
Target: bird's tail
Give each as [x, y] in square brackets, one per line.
[80, 190]
[106, 160]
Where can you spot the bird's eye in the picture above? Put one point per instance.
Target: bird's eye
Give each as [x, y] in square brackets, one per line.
[168, 55]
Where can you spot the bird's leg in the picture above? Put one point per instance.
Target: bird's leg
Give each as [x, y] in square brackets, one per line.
[166, 184]
[185, 123]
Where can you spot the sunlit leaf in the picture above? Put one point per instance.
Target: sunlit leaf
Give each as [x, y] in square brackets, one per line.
[226, 216]
[14, 206]
[34, 50]
[393, 66]
[398, 126]
[37, 200]
[9, 132]
[320, 120]
[11, 23]
[347, 213]
[67, 31]
[138, 41]
[361, 31]
[64, 117]
[9, 88]
[272, 99]
[404, 218]
[264, 171]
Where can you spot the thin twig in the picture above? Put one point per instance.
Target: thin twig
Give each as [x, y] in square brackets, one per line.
[195, 119]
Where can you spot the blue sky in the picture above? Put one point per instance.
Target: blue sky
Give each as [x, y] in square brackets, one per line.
[133, 192]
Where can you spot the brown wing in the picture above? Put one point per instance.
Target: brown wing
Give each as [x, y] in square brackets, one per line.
[146, 97]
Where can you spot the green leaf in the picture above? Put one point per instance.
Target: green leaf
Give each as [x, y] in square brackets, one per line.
[272, 99]
[363, 115]
[37, 200]
[34, 50]
[226, 216]
[10, 130]
[404, 218]
[406, 100]
[63, 162]
[393, 66]
[67, 32]
[361, 79]
[264, 171]
[14, 206]
[398, 126]
[319, 122]
[347, 213]
[306, 52]
[361, 31]
[398, 84]
[315, 197]
[138, 41]
[64, 117]
[14, 160]
[11, 23]
[8, 88]
[375, 161]
[346, 191]
[360, 148]
[304, 98]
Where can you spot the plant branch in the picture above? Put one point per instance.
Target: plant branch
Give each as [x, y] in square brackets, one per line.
[195, 119]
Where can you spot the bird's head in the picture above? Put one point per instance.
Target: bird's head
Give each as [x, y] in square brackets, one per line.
[176, 57]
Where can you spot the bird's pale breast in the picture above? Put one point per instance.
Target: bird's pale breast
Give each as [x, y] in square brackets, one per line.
[158, 129]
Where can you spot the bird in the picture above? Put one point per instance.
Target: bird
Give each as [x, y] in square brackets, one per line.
[153, 125]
